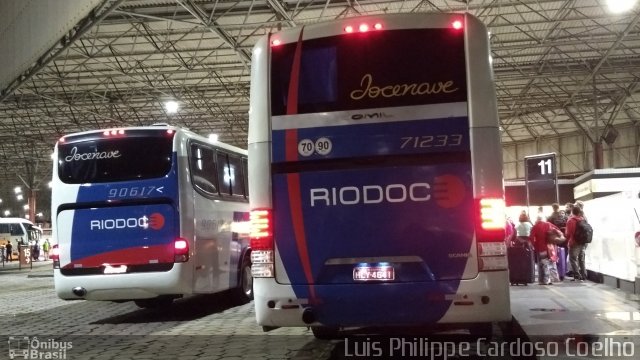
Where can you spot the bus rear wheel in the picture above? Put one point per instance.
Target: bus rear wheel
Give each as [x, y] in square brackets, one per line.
[245, 288]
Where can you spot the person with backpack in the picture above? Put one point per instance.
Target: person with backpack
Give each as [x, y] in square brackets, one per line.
[579, 234]
[546, 252]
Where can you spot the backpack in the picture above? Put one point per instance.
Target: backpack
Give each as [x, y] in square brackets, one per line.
[584, 232]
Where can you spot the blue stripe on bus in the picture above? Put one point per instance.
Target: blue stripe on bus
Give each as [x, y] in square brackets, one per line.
[368, 222]
[88, 242]
[391, 138]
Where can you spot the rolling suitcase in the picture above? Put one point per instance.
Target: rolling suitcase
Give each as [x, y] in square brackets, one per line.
[521, 265]
[562, 262]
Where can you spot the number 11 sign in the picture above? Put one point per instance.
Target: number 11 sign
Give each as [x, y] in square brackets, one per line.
[541, 179]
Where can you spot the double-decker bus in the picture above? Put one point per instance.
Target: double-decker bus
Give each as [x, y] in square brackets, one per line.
[376, 175]
[149, 214]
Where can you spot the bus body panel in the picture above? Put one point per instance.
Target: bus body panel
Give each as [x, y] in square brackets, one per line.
[104, 223]
[219, 243]
[131, 286]
[131, 235]
[402, 304]
[376, 197]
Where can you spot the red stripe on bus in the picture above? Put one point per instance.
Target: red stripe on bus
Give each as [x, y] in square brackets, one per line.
[292, 98]
[295, 202]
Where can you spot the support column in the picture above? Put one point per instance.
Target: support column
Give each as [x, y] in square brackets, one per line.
[598, 155]
[32, 205]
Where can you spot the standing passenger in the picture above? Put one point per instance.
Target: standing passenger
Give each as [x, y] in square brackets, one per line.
[523, 229]
[547, 270]
[9, 249]
[576, 250]
[46, 246]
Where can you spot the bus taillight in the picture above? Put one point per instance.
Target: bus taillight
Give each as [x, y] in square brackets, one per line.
[180, 250]
[457, 24]
[55, 256]
[364, 27]
[490, 232]
[492, 214]
[262, 257]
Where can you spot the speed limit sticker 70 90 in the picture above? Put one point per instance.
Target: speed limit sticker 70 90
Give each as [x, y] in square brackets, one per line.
[322, 146]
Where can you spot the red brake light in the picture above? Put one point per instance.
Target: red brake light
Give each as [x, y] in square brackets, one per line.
[377, 26]
[261, 229]
[181, 250]
[348, 29]
[363, 28]
[113, 132]
[492, 214]
[275, 42]
[170, 131]
[55, 252]
[457, 24]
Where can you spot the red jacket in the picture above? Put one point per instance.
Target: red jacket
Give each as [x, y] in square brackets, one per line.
[571, 229]
[539, 235]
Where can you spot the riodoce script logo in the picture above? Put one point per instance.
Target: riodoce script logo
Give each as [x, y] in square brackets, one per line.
[75, 156]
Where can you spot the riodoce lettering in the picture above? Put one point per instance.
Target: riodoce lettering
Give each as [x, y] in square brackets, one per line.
[75, 156]
[371, 91]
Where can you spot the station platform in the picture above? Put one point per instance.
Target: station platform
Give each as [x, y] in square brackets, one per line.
[583, 320]
[569, 308]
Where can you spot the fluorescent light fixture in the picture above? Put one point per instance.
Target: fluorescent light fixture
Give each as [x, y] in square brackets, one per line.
[18, 190]
[7, 213]
[620, 6]
[213, 137]
[19, 197]
[171, 106]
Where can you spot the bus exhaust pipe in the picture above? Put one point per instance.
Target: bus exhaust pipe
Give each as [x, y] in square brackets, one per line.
[79, 291]
[308, 316]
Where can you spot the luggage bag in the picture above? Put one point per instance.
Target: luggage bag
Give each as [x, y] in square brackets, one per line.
[562, 262]
[521, 265]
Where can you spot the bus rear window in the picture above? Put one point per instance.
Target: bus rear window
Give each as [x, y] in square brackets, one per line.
[371, 70]
[116, 159]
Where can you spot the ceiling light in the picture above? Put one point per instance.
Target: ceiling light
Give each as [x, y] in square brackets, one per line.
[7, 213]
[620, 6]
[25, 206]
[18, 190]
[19, 197]
[171, 106]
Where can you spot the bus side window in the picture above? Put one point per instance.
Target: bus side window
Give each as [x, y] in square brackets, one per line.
[16, 230]
[203, 169]
[245, 176]
[235, 171]
[224, 174]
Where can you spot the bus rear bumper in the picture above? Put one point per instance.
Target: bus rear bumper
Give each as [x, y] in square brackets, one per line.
[479, 300]
[116, 287]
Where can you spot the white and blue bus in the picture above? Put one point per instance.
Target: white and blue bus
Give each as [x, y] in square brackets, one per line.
[376, 175]
[149, 214]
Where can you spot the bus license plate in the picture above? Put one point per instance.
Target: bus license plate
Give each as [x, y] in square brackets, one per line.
[108, 269]
[373, 273]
